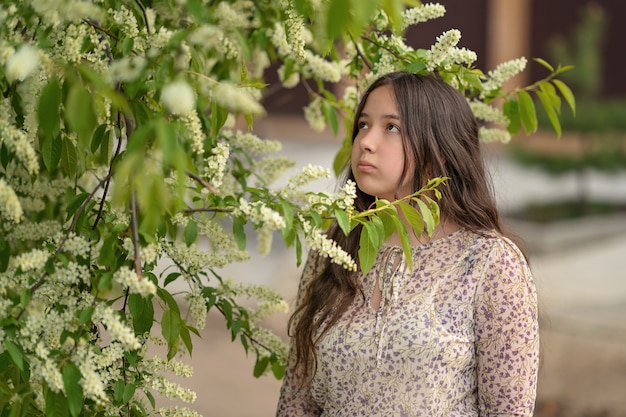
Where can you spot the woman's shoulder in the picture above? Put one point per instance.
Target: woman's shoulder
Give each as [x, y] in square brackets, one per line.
[491, 241]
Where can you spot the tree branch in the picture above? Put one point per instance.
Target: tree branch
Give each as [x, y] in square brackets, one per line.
[145, 16]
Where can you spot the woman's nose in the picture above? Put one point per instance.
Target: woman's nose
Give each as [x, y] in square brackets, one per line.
[367, 141]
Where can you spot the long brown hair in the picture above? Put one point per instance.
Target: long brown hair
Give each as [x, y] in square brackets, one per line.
[440, 137]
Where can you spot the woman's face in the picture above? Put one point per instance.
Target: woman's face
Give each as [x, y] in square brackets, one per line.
[377, 152]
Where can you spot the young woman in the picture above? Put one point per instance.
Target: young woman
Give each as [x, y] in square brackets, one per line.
[455, 336]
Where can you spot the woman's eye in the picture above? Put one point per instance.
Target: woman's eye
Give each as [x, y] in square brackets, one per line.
[362, 125]
[393, 128]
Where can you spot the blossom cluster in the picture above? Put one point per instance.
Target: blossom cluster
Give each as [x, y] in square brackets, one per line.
[328, 248]
[306, 175]
[422, 13]
[504, 72]
[129, 279]
[440, 50]
[216, 164]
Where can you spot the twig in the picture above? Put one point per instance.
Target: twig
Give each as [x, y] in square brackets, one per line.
[360, 54]
[202, 182]
[145, 15]
[97, 26]
[135, 233]
[110, 175]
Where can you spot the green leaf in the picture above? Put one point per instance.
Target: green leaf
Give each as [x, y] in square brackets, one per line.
[106, 281]
[429, 220]
[413, 217]
[394, 9]
[5, 254]
[367, 250]
[338, 18]
[331, 116]
[186, 338]
[550, 111]
[56, 404]
[51, 151]
[85, 315]
[129, 391]
[80, 114]
[416, 67]
[388, 224]
[191, 232]
[96, 139]
[567, 94]
[170, 329]
[278, 369]
[362, 13]
[69, 158]
[73, 389]
[528, 113]
[48, 109]
[15, 353]
[510, 109]
[74, 204]
[239, 233]
[219, 116]
[288, 216]
[544, 64]
[260, 366]
[343, 221]
[166, 135]
[169, 299]
[171, 278]
[142, 312]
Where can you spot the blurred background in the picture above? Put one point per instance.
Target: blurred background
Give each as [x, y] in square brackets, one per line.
[565, 197]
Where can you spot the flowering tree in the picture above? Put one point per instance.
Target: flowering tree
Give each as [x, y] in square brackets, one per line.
[125, 185]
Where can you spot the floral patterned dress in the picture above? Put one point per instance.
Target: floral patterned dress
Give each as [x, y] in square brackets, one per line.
[456, 337]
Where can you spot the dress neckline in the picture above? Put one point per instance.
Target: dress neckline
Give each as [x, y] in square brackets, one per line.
[428, 244]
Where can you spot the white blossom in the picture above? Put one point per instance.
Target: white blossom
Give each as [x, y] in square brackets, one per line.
[504, 72]
[493, 135]
[440, 51]
[215, 164]
[236, 99]
[422, 13]
[323, 69]
[22, 63]
[127, 69]
[178, 98]
[314, 115]
[129, 279]
[291, 81]
[194, 126]
[326, 247]
[487, 112]
[10, 207]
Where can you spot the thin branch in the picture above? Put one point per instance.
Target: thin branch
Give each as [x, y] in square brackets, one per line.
[135, 233]
[360, 54]
[206, 210]
[145, 15]
[202, 182]
[97, 26]
[110, 175]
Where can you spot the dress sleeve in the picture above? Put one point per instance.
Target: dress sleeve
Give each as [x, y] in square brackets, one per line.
[507, 335]
[295, 398]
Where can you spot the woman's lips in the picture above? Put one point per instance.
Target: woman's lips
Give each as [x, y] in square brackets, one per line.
[365, 166]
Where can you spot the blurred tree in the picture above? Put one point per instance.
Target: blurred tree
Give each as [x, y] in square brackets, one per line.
[596, 133]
